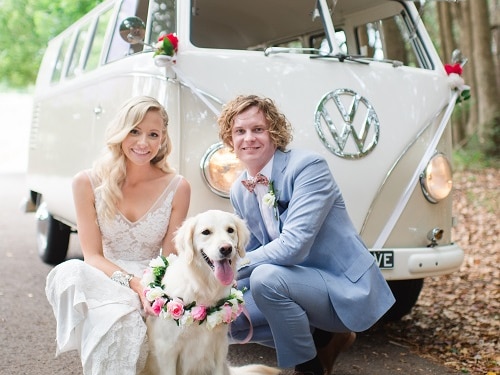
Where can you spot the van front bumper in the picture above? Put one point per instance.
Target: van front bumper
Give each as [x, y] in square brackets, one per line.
[417, 263]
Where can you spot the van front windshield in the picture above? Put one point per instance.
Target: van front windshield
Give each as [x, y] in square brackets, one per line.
[256, 24]
[378, 30]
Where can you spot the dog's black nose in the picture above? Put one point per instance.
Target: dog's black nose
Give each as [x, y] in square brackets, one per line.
[225, 250]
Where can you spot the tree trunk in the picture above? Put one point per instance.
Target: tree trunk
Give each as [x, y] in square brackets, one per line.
[445, 30]
[484, 71]
[495, 35]
[470, 112]
[448, 44]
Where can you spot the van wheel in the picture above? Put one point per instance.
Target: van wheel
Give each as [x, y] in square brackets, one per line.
[406, 293]
[52, 237]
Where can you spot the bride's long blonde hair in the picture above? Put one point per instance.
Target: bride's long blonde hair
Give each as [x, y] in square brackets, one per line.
[109, 170]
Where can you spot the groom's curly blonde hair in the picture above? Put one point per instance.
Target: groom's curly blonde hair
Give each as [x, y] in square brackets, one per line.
[280, 129]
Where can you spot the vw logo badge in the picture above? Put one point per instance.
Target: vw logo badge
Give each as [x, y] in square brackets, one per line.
[347, 124]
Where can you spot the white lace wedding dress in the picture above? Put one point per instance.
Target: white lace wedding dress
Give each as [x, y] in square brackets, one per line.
[97, 316]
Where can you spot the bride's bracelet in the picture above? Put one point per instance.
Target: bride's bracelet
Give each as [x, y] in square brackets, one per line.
[122, 278]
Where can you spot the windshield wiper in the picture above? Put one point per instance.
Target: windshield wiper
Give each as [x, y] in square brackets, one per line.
[274, 50]
[359, 59]
[343, 57]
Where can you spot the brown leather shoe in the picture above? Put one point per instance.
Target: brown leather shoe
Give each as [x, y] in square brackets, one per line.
[340, 342]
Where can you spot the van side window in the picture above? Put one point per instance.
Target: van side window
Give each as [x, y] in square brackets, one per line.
[120, 48]
[163, 18]
[391, 38]
[78, 53]
[94, 58]
[59, 65]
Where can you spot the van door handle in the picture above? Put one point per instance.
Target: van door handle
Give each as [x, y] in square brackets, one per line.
[97, 110]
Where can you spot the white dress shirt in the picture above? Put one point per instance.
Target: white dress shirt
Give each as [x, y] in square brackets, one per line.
[267, 212]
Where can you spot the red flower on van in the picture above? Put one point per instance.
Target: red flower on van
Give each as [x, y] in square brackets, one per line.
[455, 68]
[167, 45]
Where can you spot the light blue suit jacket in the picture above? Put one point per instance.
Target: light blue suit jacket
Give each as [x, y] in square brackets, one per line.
[315, 231]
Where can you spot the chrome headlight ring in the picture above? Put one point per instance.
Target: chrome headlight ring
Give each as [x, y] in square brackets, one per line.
[436, 179]
[220, 168]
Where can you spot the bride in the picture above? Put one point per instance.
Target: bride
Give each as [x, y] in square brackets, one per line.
[128, 207]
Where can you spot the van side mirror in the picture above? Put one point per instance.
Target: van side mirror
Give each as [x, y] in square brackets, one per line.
[458, 57]
[133, 30]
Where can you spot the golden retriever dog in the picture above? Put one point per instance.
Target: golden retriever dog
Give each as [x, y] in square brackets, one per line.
[198, 299]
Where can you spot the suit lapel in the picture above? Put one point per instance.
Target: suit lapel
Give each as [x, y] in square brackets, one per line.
[279, 166]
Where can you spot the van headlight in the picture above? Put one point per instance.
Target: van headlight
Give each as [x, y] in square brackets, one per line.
[220, 168]
[436, 179]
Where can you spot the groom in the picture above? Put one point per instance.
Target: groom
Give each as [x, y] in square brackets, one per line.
[312, 281]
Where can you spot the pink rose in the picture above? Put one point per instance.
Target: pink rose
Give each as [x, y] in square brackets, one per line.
[175, 308]
[227, 313]
[239, 310]
[158, 305]
[199, 312]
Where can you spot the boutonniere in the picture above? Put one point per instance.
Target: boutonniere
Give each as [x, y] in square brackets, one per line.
[270, 199]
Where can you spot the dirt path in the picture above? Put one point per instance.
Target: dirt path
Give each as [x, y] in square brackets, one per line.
[456, 321]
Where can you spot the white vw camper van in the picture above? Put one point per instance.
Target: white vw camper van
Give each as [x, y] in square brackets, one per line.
[359, 80]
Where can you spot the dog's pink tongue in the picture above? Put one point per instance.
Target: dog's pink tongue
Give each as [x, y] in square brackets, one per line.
[223, 272]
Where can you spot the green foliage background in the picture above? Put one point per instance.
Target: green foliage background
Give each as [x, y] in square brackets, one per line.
[27, 26]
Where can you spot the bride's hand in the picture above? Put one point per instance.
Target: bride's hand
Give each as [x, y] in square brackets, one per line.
[136, 286]
[146, 305]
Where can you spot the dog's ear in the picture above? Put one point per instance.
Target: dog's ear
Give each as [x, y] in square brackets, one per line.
[243, 235]
[184, 239]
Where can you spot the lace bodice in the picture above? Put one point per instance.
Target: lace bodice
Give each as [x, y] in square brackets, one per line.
[140, 241]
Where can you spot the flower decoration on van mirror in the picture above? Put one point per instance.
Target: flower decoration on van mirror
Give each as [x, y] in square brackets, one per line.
[167, 45]
[453, 68]
[456, 81]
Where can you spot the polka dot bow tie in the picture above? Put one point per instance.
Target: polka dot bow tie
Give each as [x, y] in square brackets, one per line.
[251, 183]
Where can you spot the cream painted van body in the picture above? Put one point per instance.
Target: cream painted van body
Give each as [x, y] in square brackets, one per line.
[359, 80]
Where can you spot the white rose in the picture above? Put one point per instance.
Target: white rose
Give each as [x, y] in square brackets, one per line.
[455, 81]
[269, 199]
[147, 278]
[157, 262]
[237, 293]
[154, 293]
[214, 319]
[187, 319]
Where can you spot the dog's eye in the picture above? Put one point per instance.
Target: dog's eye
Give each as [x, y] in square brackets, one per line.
[230, 230]
[206, 232]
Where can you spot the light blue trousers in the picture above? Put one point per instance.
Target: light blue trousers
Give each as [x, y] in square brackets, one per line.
[285, 304]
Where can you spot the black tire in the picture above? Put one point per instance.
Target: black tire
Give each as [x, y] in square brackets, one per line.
[52, 237]
[406, 293]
